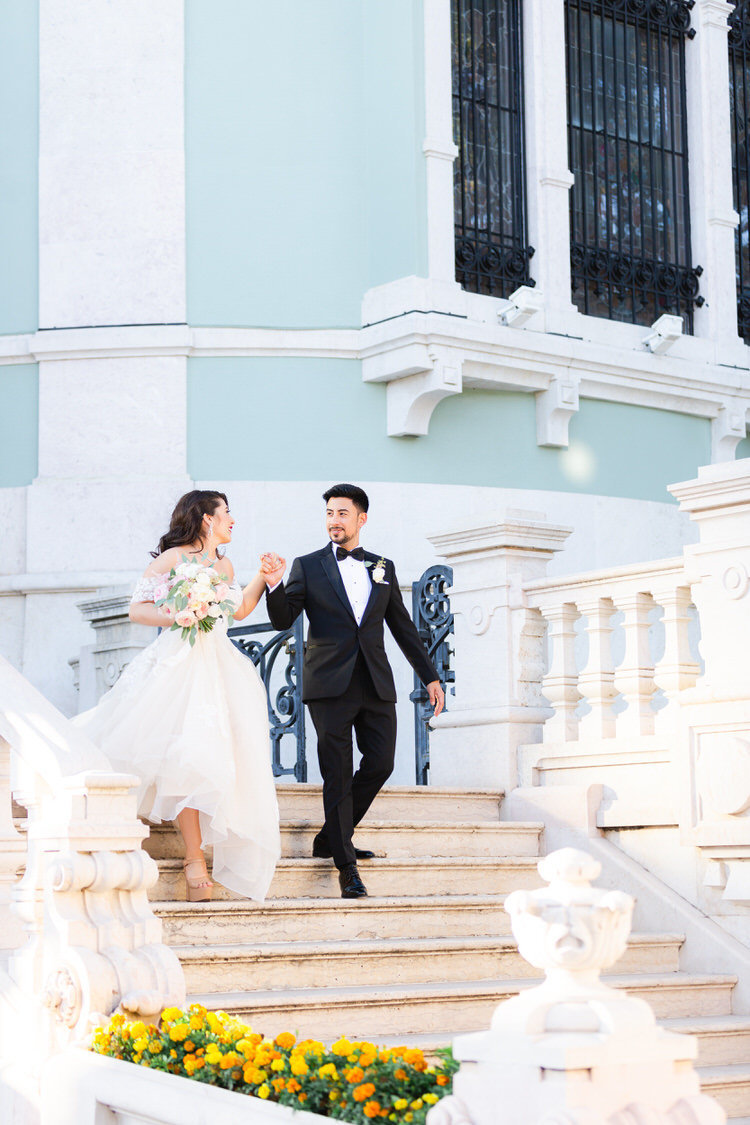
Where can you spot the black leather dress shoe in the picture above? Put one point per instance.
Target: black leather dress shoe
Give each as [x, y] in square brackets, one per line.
[322, 851]
[350, 882]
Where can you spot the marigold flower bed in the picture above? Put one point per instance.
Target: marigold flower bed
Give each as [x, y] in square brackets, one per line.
[351, 1081]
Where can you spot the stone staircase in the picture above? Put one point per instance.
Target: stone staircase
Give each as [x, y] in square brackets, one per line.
[429, 953]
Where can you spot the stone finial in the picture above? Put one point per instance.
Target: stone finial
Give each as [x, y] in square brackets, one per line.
[573, 1050]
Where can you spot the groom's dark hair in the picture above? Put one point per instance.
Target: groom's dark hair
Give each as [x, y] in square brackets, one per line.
[352, 492]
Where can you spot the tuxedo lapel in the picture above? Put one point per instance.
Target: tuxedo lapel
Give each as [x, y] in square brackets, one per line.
[375, 587]
[331, 568]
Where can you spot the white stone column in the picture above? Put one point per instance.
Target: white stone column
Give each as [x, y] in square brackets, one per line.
[548, 175]
[112, 414]
[495, 708]
[713, 218]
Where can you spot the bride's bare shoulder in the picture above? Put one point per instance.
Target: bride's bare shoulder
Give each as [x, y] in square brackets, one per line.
[164, 562]
[224, 566]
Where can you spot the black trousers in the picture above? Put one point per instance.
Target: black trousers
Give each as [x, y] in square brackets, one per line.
[348, 796]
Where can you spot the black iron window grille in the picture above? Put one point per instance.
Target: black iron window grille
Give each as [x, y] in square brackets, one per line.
[739, 90]
[627, 137]
[492, 251]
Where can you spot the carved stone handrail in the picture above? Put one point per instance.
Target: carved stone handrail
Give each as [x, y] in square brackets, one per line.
[91, 940]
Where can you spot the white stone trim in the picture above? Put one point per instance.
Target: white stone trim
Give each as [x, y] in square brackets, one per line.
[73, 582]
[438, 147]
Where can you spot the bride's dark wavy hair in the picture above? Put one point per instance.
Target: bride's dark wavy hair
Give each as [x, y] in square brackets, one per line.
[186, 524]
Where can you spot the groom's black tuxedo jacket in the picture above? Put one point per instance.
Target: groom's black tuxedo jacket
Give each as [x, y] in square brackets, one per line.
[334, 639]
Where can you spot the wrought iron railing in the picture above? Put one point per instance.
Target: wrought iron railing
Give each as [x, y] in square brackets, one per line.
[492, 251]
[431, 612]
[739, 89]
[627, 137]
[282, 679]
[278, 658]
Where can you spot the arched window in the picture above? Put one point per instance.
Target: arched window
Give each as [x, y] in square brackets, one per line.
[492, 252]
[627, 137]
[739, 89]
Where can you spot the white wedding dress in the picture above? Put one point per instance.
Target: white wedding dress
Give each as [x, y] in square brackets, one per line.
[192, 722]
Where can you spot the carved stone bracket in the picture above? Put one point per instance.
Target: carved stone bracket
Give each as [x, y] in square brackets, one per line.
[554, 409]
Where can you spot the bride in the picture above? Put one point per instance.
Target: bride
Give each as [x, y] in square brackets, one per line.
[192, 721]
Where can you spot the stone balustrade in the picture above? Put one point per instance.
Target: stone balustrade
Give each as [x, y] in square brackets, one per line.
[91, 942]
[638, 595]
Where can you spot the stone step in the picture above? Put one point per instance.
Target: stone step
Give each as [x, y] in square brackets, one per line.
[335, 919]
[730, 1085]
[376, 1013]
[391, 838]
[721, 1041]
[300, 965]
[418, 876]
[399, 802]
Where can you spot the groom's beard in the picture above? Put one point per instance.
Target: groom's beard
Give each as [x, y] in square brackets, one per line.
[339, 538]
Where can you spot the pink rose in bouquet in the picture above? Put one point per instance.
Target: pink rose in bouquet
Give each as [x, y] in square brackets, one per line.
[196, 596]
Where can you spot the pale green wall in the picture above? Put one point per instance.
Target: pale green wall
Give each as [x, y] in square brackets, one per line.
[743, 449]
[19, 424]
[314, 419]
[19, 141]
[305, 182]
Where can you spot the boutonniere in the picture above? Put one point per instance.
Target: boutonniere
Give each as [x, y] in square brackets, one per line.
[378, 572]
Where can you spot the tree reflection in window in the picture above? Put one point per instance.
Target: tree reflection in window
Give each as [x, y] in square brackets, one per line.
[627, 135]
[492, 255]
[739, 90]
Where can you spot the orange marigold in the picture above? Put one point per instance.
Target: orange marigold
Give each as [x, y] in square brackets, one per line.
[442, 1079]
[293, 1086]
[400, 1074]
[362, 1093]
[372, 1109]
[285, 1040]
[356, 1074]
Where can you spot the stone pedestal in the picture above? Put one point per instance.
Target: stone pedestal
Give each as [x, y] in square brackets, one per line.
[572, 1049]
[118, 640]
[499, 649]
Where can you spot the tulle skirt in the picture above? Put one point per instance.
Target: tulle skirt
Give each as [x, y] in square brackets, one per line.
[192, 723]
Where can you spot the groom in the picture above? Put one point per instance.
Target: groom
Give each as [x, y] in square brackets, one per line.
[347, 594]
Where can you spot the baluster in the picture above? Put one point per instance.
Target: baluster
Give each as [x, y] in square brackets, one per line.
[560, 685]
[597, 680]
[12, 849]
[676, 671]
[634, 677]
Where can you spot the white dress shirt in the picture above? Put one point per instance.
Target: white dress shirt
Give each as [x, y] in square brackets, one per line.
[356, 578]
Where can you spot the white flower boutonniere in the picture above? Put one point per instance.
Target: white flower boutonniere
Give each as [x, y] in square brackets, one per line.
[378, 572]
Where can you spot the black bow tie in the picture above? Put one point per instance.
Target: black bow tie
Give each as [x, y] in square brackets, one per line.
[358, 554]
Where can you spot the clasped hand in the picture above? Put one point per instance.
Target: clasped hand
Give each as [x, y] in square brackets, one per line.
[272, 568]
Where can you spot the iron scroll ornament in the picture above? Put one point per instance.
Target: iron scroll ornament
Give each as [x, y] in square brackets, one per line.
[283, 684]
[675, 287]
[431, 613]
[669, 14]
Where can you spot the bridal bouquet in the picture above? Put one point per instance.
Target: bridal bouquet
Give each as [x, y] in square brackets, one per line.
[195, 597]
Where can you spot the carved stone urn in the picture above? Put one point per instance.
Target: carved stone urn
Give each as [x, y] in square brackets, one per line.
[573, 1050]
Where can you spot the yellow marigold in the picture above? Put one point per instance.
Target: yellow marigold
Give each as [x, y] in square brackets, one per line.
[285, 1040]
[372, 1109]
[155, 1047]
[400, 1103]
[170, 1014]
[333, 1095]
[400, 1074]
[141, 1044]
[430, 1098]
[138, 1029]
[264, 1091]
[408, 1117]
[256, 1076]
[293, 1086]
[213, 1054]
[442, 1079]
[262, 1057]
[430, 1070]
[342, 1047]
[196, 1023]
[118, 1019]
[356, 1074]
[361, 1093]
[416, 1104]
[278, 1064]
[173, 1053]
[392, 1117]
[299, 1066]
[179, 1032]
[213, 1021]
[190, 1065]
[246, 1047]
[198, 1009]
[328, 1070]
